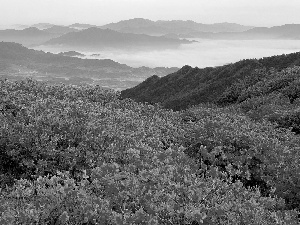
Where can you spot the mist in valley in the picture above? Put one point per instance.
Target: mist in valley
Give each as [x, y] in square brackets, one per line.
[203, 53]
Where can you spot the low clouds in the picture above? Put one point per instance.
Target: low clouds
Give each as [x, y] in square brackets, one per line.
[204, 53]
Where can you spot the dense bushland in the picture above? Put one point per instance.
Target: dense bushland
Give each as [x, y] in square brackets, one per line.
[269, 95]
[80, 155]
[192, 86]
[257, 154]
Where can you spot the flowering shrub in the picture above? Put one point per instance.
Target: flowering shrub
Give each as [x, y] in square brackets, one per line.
[257, 154]
[79, 155]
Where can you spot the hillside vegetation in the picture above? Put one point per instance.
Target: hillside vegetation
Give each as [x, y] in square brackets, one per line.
[192, 86]
[81, 155]
[269, 95]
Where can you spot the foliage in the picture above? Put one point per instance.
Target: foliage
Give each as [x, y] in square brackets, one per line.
[269, 95]
[192, 86]
[257, 154]
[80, 155]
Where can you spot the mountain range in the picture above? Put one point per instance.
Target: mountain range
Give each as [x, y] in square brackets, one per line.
[81, 26]
[106, 38]
[42, 26]
[28, 36]
[72, 54]
[161, 27]
[60, 30]
[18, 62]
[287, 31]
[144, 33]
[192, 86]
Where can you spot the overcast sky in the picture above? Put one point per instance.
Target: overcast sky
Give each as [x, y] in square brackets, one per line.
[99, 12]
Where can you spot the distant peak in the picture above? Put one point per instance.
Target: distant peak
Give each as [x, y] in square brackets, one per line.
[93, 29]
[152, 79]
[31, 29]
[135, 21]
[80, 24]
[43, 24]
[97, 29]
[185, 69]
[57, 26]
[140, 19]
[11, 44]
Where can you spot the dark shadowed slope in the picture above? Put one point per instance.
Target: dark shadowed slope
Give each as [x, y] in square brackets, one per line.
[191, 86]
[100, 38]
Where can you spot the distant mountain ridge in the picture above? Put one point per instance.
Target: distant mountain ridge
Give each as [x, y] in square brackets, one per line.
[123, 33]
[60, 30]
[161, 27]
[28, 36]
[106, 38]
[192, 86]
[81, 26]
[287, 31]
[284, 31]
[142, 34]
[42, 26]
[72, 54]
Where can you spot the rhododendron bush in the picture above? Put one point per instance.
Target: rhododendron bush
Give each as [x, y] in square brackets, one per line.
[80, 155]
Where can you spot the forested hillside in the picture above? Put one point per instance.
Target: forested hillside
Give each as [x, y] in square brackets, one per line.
[269, 95]
[191, 86]
[81, 155]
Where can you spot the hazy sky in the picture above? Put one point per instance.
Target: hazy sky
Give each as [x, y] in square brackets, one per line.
[99, 12]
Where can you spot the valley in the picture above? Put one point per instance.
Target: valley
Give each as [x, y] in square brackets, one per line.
[18, 62]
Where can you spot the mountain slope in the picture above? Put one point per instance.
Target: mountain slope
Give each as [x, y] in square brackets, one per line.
[96, 37]
[191, 86]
